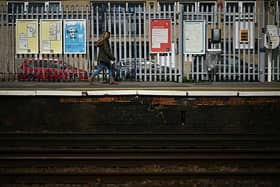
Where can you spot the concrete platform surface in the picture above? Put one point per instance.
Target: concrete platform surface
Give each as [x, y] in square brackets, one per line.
[86, 86]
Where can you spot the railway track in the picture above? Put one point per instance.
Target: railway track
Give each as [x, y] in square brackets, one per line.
[139, 160]
[72, 141]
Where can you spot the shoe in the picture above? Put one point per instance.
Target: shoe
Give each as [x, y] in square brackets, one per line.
[91, 79]
[112, 81]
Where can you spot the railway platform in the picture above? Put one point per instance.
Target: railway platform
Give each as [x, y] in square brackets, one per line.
[140, 88]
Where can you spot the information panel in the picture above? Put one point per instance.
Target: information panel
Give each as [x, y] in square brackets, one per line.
[26, 36]
[75, 36]
[51, 36]
[194, 37]
[160, 36]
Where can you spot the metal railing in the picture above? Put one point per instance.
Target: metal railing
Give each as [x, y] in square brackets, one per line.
[130, 44]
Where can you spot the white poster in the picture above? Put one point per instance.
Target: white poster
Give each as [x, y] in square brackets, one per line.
[194, 37]
[159, 36]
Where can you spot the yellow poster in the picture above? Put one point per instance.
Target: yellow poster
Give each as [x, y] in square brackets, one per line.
[26, 36]
[51, 36]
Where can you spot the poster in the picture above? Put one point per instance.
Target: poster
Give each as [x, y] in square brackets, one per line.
[75, 36]
[26, 36]
[160, 36]
[51, 36]
[194, 37]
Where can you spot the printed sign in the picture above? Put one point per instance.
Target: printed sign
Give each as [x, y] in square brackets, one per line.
[160, 36]
[75, 36]
[244, 35]
[51, 36]
[26, 36]
[194, 37]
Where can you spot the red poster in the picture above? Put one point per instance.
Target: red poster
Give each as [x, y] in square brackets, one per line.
[160, 36]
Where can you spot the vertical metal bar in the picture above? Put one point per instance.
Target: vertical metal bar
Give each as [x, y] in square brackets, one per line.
[243, 47]
[230, 37]
[73, 56]
[97, 26]
[109, 22]
[60, 59]
[120, 42]
[190, 55]
[249, 47]
[8, 46]
[159, 63]
[110, 26]
[278, 67]
[15, 34]
[13, 48]
[2, 41]
[229, 46]
[181, 43]
[145, 41]
[175, 42]
[239, 50]
[233, 45]
[30, 74]
[273, 70]
[262, 51]
[154, 17]
[130, 45]
[140, 43]
[22, 55]
[254, 38]
[134, 45]
[226, 55]
[80, 8]
[206, 18]
[87, 55]
[124, 36]
[66, 57]
[92, 39]
[38, 55]
[170, 57]
[197, 59]
[115, 33]
[150, 65]
[167, 55]
[258, 48]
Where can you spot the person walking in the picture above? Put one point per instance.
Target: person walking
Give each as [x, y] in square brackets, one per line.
[104, 57]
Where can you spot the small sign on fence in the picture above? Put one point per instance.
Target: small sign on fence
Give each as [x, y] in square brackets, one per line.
[75, 36]
[160, 36]
[244, 35]
[51, 36]
[26, 36]
[194, 37]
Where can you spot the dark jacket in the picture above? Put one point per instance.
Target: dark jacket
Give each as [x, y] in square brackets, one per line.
[105, 54]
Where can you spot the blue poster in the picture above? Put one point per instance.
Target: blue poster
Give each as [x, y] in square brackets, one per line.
[74, 36]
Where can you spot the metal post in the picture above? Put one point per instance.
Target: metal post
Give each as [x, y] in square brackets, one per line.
[140, 44]
[262, 50]
[175, 43]
[124, 37]
[226, 53]
[150, 65]
[181, 14]
[92, 39]
[130, 45]
[145, 43]
[134, 44]
[120, 33]
[3, 42]
[269, 60]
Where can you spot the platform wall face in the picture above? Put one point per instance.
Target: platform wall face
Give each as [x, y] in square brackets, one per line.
[130, 114]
